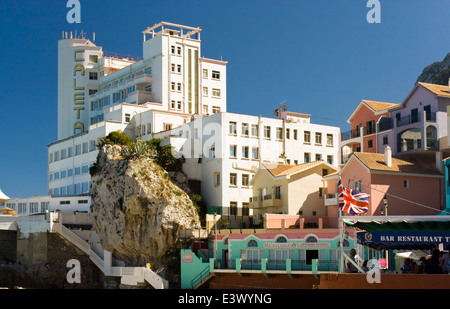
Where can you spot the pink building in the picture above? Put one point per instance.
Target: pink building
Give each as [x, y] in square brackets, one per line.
[411, 185]
[363, 134]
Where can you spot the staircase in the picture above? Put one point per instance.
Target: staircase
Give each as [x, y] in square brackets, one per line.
[128, 275]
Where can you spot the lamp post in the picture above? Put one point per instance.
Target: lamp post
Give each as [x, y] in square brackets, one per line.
[385, 201]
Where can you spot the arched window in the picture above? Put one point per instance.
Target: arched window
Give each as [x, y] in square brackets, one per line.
[252, 243]
[311, 239]
[345, 243]
[281, 239]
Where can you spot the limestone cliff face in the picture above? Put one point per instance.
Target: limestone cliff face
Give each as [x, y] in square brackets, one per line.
[437, 72]
[137, 210]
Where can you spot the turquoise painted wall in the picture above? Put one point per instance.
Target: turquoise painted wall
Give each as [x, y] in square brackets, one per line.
[191, 267]
[234, 247]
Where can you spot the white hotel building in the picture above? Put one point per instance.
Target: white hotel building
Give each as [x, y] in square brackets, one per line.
[176, 94]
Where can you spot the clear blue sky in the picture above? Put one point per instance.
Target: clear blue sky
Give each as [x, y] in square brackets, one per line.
[323, 57]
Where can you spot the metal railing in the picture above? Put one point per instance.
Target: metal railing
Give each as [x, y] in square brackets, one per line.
[199, 278]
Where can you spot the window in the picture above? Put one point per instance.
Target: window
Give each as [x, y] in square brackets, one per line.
[406, 184]
[233, 151]
[85, 169]
[85, 187]
[288, 133]
[267, 131]
[127, 117]
[93, 75]
[295, 134]
[357, 185]
[279, 133]
[252, 256]
[216, 92]
[329, 139]
[414, 115]
[179, 68]
[172, 50]
[63, 174]
[70, 172]
[255, 130]
[205, 109]
[215, 75]
[172, 104]
[63, 154]
[92, 145]
[245, 129]
[172, 86]
[233, 179]
[77, 171]
[370, 127]
[205, 91]
[56, 155]
[307, 137]
[232, 128]
[215, 109]
[318, 157]
[205, 73]
[255, 153]
[245, 153]
[179, 51]
[85, 147]
[44, 206]
[245, 209]
[93, 58]
[319, 138]
[172, 67]
[277, 192]
[34, 207]
[385, 140]
[233, 208]
[245, 180]
[212, 152]
[178, 87]
[330, 159]
[306, 157]
[216, 179]
[370, 143]
[64, 202]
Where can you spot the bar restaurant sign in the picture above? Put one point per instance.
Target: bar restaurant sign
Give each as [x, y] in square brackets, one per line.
[405, 237]
[305, 245]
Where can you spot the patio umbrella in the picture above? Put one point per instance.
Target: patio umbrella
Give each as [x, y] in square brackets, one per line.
[413, 255]
[7, 211]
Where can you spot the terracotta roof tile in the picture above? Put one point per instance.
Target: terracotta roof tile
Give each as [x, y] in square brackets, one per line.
[400, 164]
[378, 106]
[440, 90]
[278, 170]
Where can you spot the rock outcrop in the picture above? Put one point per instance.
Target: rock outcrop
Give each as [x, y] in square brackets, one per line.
[138, 211]
[436, 73]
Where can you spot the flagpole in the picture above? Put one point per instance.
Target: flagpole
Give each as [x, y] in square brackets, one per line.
[341, 242]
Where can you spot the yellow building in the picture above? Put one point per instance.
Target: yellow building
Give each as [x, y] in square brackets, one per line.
[290, 189]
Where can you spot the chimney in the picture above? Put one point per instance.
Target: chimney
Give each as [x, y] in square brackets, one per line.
[388, 156]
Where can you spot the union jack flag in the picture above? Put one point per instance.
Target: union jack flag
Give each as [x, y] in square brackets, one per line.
[352, 201]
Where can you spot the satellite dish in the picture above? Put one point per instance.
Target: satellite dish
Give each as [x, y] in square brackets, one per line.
[277, 112]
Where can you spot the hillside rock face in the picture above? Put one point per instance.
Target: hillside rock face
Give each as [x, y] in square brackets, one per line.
[437, 72]
[137, 210]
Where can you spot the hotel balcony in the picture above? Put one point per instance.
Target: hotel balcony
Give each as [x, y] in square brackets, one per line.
[268, 200]
[139, 97]
[331, 199]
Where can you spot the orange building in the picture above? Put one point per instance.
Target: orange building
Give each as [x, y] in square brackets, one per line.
[362, 136]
